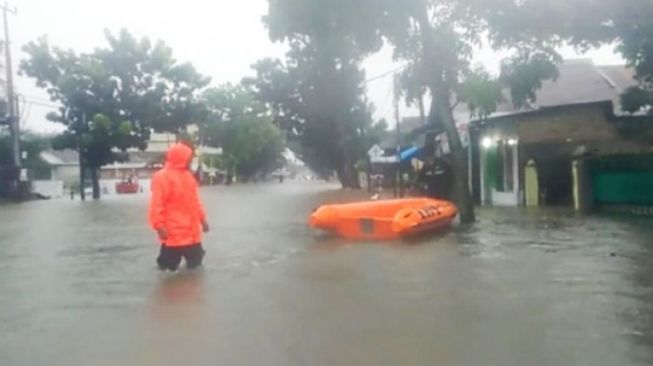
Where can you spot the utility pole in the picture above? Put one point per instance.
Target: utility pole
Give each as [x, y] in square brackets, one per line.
[14, 121]
[422, 113]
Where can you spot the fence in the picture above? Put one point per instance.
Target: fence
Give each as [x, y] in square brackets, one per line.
[623, 180]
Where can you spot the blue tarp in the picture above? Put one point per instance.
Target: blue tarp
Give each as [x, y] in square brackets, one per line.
[409, 153]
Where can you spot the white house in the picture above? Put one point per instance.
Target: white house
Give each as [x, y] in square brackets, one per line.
[64, 165]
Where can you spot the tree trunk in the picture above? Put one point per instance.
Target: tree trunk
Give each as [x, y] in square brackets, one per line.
[342, 176]
[352, 173]
[95, 181]
[348, 176]
[82, 178]
[459, 162]
[442, 98]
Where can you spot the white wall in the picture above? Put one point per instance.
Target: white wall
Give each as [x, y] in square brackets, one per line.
[505, 199]
[48, 188]
[67, 174]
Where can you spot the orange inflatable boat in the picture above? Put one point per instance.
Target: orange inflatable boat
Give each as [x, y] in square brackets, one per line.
[384, 220]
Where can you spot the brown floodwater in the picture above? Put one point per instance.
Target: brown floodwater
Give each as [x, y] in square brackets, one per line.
[78, 286]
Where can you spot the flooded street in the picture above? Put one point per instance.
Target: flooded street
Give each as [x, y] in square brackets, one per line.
[78, 286]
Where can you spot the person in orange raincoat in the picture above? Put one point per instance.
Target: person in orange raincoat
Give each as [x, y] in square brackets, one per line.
[176, 213]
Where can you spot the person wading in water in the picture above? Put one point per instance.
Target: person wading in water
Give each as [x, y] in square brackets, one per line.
[176, 213]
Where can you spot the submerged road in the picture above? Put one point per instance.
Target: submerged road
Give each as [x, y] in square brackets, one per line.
[78, 286]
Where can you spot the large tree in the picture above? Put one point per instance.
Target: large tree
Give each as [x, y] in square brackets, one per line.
[244, 129]
[112, 97]
[629, 25]
[318, 93]
[584, 24]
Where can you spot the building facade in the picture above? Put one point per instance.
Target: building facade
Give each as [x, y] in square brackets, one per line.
[546, 154]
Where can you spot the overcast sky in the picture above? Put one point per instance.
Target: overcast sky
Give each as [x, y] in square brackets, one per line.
[222, 38]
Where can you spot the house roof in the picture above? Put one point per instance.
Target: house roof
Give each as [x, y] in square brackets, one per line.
[579, 82]
[60, 157]
[621, 76]
[606, 105]
[71, 158]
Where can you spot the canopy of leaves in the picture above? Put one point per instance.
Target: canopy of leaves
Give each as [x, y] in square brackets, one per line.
[636, 99]
[239, 124]
[31, 145]
[318, 94]
[437, 40]
[481, 92]
[626, 24]
[111, 98]
[635, 43]
[339, 27]
[523, 75]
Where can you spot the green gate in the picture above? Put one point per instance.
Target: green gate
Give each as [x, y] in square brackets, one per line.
[623, 180]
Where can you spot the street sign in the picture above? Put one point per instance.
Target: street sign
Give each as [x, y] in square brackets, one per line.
[375, 152]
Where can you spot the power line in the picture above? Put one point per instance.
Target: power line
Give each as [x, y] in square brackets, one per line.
[386, 74]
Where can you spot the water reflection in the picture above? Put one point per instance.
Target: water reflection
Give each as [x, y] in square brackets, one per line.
[183, 287]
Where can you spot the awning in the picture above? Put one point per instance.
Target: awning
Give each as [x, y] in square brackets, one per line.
[405, 155]
[409, 154]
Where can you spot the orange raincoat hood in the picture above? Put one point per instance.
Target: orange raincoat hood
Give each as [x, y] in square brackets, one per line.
[175, 205]
[179, 156]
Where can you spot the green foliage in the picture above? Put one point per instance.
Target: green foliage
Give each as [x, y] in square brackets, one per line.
[338, 27]
[635, 99]
[317, 94]
[582, 23]
[635, 30]
[150, 88]
[523, 75]
[113, 97]
[437, 40]
[628, 25]
[32, 145]
[481, 92]
[251, 143]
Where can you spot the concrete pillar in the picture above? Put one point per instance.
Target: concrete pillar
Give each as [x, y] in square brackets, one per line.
[531, 184]
[582, 187]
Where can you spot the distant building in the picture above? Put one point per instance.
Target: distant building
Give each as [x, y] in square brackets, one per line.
[159, 144]
[63, 165]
